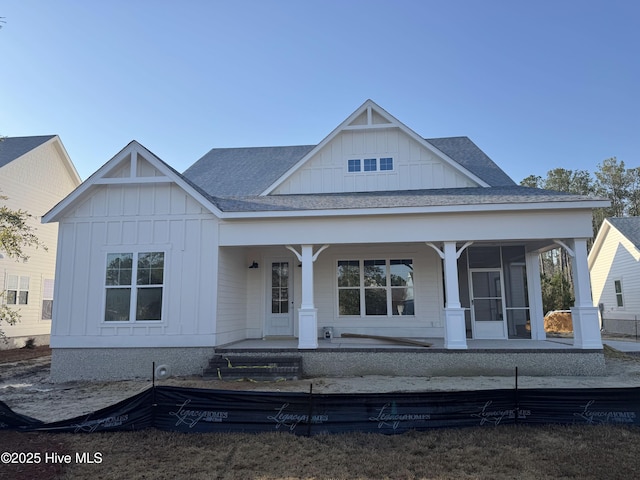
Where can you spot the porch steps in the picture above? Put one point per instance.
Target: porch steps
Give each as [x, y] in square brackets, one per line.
[261, 369]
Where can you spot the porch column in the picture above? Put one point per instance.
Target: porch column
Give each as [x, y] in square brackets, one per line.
[455, 336]
[586, 326]
[536, 311]
[307, 313]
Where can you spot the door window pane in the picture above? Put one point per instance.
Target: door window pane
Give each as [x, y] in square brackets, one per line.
[280, 287]
[488, 310]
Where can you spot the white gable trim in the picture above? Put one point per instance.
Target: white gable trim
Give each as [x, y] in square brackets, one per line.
[100, 177]
[66, 160]
[370, 107]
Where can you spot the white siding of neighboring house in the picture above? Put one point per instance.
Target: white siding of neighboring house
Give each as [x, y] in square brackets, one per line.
[617, 260]
[414, 166]
[142, 218]
[34, 182]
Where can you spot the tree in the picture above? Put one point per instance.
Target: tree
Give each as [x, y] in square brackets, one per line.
[16, 234]
[613, 182]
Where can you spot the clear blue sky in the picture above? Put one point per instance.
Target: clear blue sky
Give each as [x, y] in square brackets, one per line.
[535, 84]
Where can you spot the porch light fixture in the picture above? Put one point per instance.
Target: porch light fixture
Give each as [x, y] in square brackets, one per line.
[254, 265]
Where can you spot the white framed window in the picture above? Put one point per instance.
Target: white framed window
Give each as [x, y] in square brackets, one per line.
[382, 164]
[134, 285]
[370, 164]
[377, 287]
[353, 165]
[17, 290]
[617, 284]
[47, 299]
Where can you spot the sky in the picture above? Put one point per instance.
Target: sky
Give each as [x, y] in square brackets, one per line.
[536, 85]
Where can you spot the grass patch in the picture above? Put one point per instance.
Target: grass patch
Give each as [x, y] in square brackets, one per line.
[505, 452]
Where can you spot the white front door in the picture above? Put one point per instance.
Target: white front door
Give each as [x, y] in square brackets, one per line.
[279, 320]
[488, 316]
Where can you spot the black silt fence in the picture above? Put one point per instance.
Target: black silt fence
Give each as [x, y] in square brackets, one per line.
[200, 410]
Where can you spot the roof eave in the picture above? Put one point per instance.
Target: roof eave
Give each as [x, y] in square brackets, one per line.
[476, 208]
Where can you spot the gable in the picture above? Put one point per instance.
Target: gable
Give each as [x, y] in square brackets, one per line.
[412, 166]
[133, 182]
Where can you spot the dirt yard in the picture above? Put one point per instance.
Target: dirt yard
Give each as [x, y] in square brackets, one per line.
[25, 385]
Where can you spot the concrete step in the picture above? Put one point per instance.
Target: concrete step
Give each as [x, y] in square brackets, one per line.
[233, 367]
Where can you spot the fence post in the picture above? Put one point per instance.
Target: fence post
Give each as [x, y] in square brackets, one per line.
[310, 414]
[517, 410]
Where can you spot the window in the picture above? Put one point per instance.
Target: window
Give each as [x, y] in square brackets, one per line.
[17, 290]
[354, 165]
[124, 301]
[375, 287]
[386, 164]
[47, 299]
[370, 164]
[618, 286]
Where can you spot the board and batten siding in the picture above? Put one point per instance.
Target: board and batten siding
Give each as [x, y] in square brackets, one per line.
[615, 262]
[414, 166]
[35, 182]
[137, 218]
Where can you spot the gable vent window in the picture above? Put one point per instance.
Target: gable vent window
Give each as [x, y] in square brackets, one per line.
[357, 165]
[618, 286]
[370, 164]
[354, 165]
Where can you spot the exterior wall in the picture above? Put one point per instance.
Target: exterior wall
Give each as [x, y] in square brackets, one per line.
[232, 293]
[414, 167]
[137, 218]
[34, 183]
[616, 262]
[428, 321]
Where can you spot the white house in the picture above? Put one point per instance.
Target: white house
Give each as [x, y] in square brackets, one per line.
[374, 230]
[35, 174]
[614, 263]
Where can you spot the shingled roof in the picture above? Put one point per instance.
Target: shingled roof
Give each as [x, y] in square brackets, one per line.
[250, 171]
[12, 148]
[629, 227]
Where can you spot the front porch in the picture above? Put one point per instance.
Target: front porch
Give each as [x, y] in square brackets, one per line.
[344, 357]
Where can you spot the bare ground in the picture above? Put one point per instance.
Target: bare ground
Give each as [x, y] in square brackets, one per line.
[25, 385]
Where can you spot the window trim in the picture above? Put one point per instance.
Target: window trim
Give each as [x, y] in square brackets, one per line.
[19, 289]
[133, 286]
[375, 165]
[618, 294]
[362, 287]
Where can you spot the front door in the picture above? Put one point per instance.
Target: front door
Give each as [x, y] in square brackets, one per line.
[279, 300]
[487, 304]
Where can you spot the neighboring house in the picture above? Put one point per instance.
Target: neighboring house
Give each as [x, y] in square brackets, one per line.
[614, 263]
[35, 174]
[374, 230]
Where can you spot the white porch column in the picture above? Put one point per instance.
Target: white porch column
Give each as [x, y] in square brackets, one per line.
[536, 311]
[586, 326]
[455, 336]
[307, 313]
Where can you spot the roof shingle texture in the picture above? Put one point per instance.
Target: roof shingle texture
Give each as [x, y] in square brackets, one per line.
[14, 147]
[629, 227]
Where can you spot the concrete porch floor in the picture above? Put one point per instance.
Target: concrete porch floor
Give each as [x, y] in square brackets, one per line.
[343, 357]
[291, 344]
